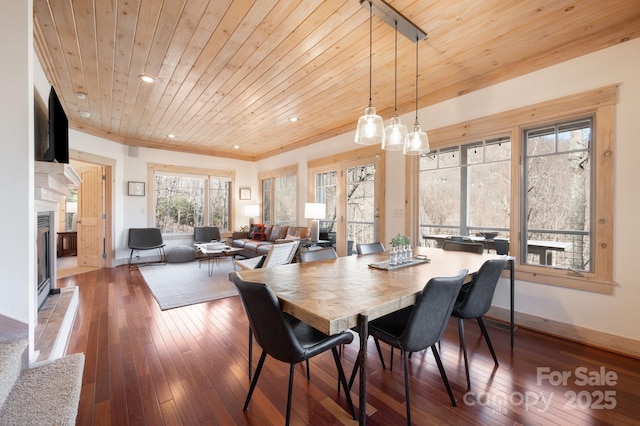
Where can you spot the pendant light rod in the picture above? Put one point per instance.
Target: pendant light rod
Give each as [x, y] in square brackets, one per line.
[370, 51]
[395, 77]
[416, 81]
[391, 16]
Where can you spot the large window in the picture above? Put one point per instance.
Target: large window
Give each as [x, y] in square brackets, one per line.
[279, 197]
[557, 187]
[544, 182]
[183, 200]
[465, 190]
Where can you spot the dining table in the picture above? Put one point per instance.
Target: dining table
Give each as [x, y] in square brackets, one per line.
[346, 293]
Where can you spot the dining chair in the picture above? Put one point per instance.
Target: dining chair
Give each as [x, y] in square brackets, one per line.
[369, 248]
[475, 301]
[501, 245]
[452, 245]
[279, 254]
[326, 253]
[283, 340]
[419, 326]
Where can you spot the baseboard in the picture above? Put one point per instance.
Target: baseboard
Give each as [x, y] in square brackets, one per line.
[598, 339]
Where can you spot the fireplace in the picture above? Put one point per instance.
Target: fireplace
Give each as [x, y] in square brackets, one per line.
[44, 256]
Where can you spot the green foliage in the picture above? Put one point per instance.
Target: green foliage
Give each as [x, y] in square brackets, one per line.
[400, 240]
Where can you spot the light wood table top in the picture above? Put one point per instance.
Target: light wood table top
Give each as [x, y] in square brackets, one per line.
[329, 295]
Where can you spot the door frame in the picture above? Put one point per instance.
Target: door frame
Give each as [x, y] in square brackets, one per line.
[340, 163]
[109, 165]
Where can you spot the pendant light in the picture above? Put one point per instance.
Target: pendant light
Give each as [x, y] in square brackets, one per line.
[416, 142]
[396, 132]
[370, 130]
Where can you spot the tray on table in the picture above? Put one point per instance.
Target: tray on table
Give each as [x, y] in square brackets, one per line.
[387, 267]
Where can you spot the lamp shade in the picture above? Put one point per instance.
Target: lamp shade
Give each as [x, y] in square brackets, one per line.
[252, 210]
[395, 134]
[370, 130]
[314, 211]
[416, 142]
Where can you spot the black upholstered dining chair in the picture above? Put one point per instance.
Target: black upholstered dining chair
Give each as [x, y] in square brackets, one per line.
[284, 340]
[369, 248]
[501, 245]
[452, 245]
[475, 301]
[420, 326]
[325, 253]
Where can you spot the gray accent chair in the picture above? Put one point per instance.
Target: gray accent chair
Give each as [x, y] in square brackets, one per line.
[146, 239]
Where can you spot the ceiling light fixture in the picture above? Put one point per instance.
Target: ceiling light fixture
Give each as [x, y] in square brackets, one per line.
[396, 132]
[147, 78]
[416, 142]
[171, 136]
[81, 95]
[85, 114]
[370, 129]
[293, 119]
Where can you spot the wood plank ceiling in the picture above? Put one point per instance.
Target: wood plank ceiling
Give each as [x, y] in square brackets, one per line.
[233, 72]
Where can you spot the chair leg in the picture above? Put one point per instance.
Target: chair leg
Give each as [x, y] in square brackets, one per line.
[443, 374]
[463, 346]
[289, 392]
[391, 360]
[486, 338]
[255, 380]
[308, 374]
[405, 364]
[250, 350]
[342, 379]
[380, 353]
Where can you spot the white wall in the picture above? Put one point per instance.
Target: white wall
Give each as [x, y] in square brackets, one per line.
[17, 251]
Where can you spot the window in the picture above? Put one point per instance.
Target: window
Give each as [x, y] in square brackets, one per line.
[326, 193]
[465, 189]
[279, 196]
[557, 179]
[183, 200]
[546, 183]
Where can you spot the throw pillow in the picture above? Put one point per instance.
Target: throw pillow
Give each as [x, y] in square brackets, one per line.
[291, 237]
[253, 230]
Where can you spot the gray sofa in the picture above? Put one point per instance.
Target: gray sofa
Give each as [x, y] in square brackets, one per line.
[273, 234]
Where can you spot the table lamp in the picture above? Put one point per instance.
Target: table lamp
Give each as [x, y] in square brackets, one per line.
[314, 211]
[251, 211]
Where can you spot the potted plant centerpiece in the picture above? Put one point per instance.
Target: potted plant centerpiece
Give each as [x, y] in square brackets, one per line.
[400, 250]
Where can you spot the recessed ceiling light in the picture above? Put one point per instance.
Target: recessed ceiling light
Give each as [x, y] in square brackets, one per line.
[81, 95]
[171, 135]
[147, 78]
[293, 119]
[85, 114]
[236, 147]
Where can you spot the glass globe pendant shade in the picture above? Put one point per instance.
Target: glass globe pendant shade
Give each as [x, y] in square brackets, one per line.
[370, 129]
[416, 142]
[395, 134]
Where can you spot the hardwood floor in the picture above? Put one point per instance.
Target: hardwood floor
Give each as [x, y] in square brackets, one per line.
[188, 366]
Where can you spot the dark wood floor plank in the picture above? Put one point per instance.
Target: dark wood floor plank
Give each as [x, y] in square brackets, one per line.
[145, 366]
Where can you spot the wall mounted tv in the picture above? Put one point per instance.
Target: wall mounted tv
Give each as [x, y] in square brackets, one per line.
[58, 149]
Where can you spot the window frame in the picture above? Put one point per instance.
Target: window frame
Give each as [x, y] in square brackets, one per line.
[272, 175]
[153, 168]
[600, 103]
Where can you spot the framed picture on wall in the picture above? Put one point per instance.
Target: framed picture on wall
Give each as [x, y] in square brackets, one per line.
[245, 193]
[136, 188]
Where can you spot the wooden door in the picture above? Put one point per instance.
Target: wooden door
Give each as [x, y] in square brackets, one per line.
[91, 213]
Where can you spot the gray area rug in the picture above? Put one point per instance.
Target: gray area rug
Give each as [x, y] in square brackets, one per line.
[181, 284]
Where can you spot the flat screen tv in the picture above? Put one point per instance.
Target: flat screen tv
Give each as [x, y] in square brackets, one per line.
[58, 150]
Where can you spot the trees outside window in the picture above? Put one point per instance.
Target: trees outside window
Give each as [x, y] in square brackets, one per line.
[557, 186]
[184, 201]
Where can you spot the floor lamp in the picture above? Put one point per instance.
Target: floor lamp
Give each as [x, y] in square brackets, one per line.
[315, 212]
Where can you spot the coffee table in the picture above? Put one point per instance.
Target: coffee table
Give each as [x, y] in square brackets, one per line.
[212, 256]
